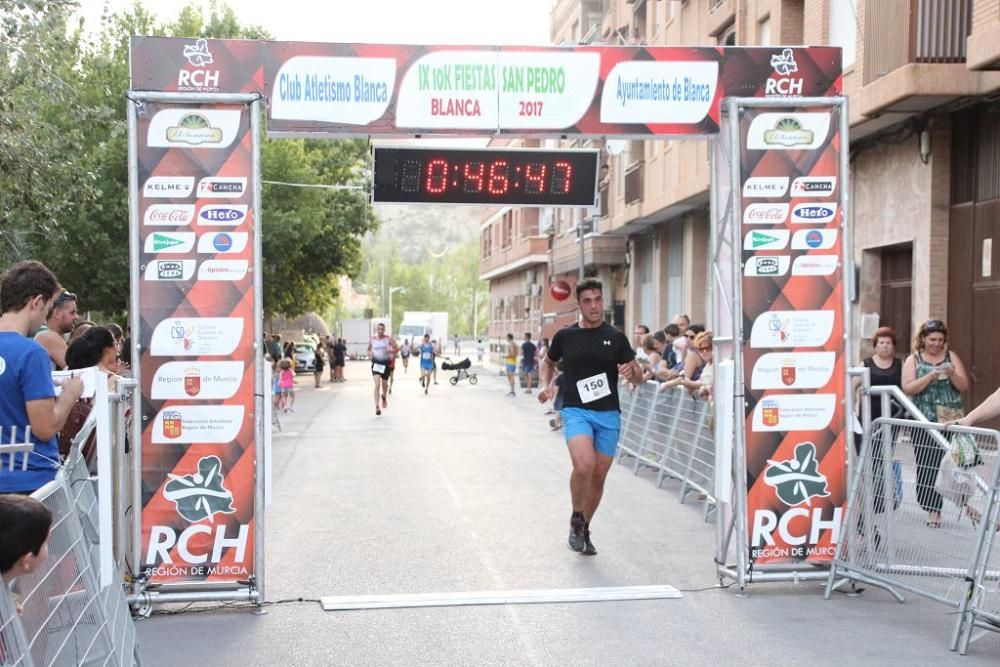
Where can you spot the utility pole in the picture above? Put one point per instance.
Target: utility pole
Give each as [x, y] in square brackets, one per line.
[475, 312]
[382, 299]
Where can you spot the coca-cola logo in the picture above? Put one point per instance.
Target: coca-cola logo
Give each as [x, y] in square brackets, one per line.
[765, 214]
[173, 215]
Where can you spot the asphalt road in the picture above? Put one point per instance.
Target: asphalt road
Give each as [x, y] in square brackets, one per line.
[466, 489]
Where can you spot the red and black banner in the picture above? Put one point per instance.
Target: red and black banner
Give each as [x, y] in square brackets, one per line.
[792, 226]
[196, 226]
[396, 89]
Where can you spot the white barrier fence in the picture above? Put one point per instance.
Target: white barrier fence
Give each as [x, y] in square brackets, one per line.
[67, 616]
[671, 432]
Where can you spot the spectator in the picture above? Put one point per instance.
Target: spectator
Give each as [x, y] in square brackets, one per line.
[274, 349]
[639, 344]
[96, 347]
[27, 396]
[935, 377]
[653, 357]
[79, 328]
[671, 332]
[339, 355]
[286, 385]
[24, 535]
[543, 348]
[328, 344]
[558, 391]
[119, 335]
[481, 350]
[528, 351]
[885, 369]
[682, 321]
[700, 386]
[693, 361]
[59, 322]
[319, 360]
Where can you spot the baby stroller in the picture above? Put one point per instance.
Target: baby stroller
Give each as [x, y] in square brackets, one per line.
[461, 371]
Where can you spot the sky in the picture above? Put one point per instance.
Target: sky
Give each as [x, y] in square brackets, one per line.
[375, 21]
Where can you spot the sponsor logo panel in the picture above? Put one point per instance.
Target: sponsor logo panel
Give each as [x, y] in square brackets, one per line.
[782, 83]
[813, 214]
[815, 265]
[172, 243]
[793, 412]
[222, 242]
[792, 328]
[767, 265]
[169, 215]
[784, 131]
[223, 269]
[793, 370]
[198, 423]
[196, 336]
[814, 239]
[200, 76]
[193, 128]
[772, 239]
[222, 215]
[167, 187]
[797, 480]
[814, 186]
[209, 380]
[765, 214]
[765, 186]
[170, 269]
[221, 187]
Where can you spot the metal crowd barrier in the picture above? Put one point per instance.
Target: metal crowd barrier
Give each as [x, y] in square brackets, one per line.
[67, 617]
[889, 538]
[671, 432]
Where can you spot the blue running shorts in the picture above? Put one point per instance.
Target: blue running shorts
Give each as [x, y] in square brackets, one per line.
[601, 425]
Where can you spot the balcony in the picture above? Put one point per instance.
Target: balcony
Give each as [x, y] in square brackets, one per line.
[984, 42]
[633, 183]
[523, 252]
[933, 32]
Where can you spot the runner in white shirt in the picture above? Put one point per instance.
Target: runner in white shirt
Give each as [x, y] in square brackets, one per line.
[381, 349]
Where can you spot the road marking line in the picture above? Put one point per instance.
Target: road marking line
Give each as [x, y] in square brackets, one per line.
[474, 598]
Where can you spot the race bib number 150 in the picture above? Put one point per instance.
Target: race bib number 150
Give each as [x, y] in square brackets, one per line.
[593, 388]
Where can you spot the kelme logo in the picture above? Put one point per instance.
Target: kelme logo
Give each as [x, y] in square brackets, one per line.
[788, 131]
[202, 494]
[797, 480]
[194, 129]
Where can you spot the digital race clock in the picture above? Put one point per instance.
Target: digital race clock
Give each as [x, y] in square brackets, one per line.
[523, 177]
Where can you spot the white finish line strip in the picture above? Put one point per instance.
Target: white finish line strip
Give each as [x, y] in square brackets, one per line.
[542, 596]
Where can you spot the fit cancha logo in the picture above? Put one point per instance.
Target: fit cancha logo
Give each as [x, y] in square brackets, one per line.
[201, 495]
[797, 480]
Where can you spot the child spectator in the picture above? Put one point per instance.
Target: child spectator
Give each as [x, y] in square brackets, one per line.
[286, 385]
[24, 536]
[319, 360]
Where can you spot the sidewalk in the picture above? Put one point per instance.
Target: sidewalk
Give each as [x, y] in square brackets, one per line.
[466, 490]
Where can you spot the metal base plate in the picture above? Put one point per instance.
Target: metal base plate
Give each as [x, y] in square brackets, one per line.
[541, 596]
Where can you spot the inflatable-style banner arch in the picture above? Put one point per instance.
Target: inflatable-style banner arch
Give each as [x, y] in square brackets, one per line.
[404, 90]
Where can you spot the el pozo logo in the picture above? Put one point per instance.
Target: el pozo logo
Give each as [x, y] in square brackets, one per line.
[194, 129]
[797, 480]
[200, 495]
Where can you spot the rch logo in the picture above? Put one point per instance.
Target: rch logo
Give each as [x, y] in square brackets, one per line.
[784, 65]
[199, 56]
[797, 480]
[201, 495]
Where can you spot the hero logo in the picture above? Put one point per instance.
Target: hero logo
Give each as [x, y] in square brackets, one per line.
[814, 186]
[765, 186]
[784, 65]
[813, 213]
[198, 55]
[765, 214]
[221, 215]
[222, 186]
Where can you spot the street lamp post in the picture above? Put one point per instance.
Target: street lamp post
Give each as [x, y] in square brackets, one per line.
[393, 290]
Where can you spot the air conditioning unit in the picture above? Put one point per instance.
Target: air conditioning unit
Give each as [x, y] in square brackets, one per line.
[545, 222]
[536, 289]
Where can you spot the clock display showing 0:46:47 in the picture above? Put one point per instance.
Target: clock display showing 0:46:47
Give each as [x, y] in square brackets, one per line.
[486, 176]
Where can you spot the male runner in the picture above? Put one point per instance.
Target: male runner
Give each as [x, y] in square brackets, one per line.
[510, 362]
[427, 364]
[593, 355]
[381, 349]
[404, 352]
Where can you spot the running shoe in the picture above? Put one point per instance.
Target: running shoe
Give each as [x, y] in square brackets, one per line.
[577, 526]
[512, 394]
[377, 412]
[588, 546]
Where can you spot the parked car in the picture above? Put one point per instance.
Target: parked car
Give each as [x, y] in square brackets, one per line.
[305, 358]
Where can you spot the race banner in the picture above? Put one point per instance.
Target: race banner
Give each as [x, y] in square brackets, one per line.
[793, 349]
[195, 331]
[397, 89]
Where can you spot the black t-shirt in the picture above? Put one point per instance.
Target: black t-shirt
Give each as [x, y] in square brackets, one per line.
[586, 353]
[339, 350]
[528, 352]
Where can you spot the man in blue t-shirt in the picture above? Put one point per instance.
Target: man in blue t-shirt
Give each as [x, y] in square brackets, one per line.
[27, 396]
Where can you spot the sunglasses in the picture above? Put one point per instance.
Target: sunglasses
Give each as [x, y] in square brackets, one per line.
[63, 297]
[705, 348]
[935, 326]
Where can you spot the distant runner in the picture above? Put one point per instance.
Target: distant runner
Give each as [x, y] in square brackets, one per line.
[510, 362]
[381, 349]
[593, 355]
[404, 352]
[426, 362]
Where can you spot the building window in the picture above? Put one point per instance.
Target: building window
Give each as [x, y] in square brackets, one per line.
[508, 229]
[675, 269]
[844, 31]
[764, 31]
[646, 283]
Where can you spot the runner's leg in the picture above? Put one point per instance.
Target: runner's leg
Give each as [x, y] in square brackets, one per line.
[602, 464]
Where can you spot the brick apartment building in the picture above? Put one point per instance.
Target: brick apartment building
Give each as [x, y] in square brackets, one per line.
[923, 84]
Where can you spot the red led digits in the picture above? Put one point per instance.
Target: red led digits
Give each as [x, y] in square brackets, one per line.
[474, 174]
[499, 183]
[534, 177]
[437, 176]
[562, 178]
